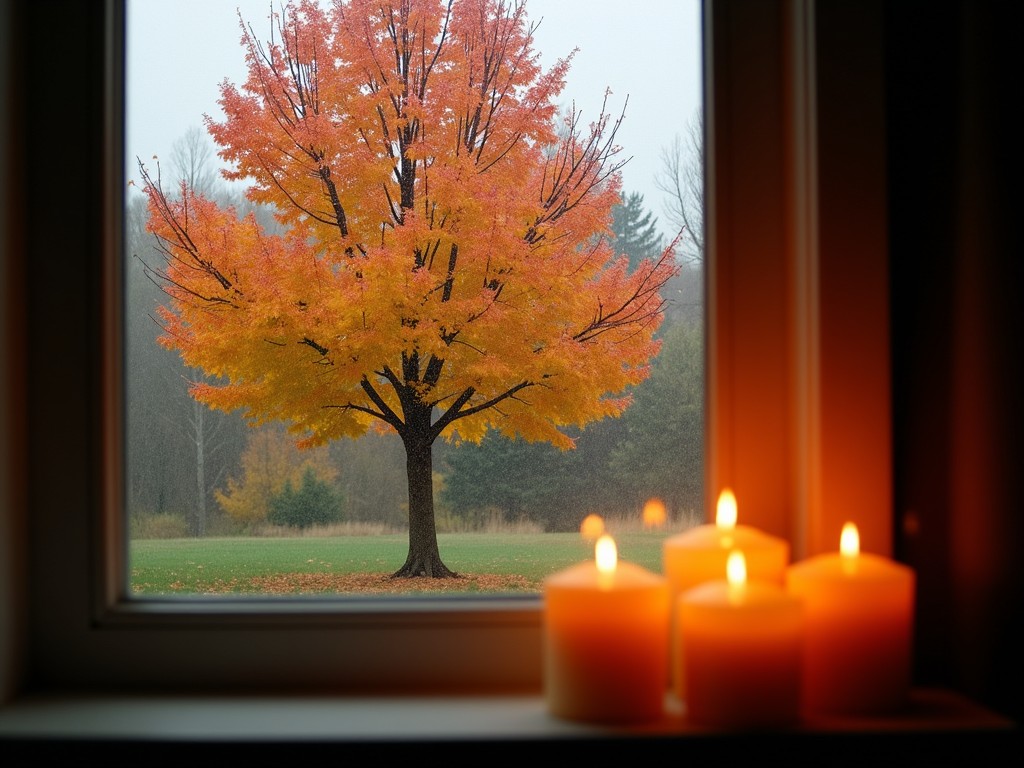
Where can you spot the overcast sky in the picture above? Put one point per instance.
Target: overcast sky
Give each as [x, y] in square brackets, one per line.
[178, 53]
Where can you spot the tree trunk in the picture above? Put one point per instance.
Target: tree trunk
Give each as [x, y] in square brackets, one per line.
[199, 524]
[424, 558]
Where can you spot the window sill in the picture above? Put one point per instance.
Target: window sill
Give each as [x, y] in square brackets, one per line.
[937, 725]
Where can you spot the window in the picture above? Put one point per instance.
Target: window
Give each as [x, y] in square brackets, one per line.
[173, 443]
[82, 633]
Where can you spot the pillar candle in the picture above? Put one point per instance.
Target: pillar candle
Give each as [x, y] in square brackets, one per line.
[699, 555]
[606, 636]
[740, 648]
[859, 624]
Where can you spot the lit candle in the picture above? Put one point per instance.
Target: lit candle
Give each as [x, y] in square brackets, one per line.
[606, 640]
[740, 648]
[859, 614]
[699, 555]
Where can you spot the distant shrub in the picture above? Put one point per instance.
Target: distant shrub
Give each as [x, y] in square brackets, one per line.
[315, 502]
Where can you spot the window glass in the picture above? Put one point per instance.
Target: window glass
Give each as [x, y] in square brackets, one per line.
[217, 504]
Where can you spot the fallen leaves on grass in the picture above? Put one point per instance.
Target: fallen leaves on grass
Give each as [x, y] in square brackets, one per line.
[375, 583]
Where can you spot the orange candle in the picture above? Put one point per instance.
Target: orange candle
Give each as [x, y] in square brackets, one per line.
[859, 613]
[699, 555]
[606, 640]
[740, 648]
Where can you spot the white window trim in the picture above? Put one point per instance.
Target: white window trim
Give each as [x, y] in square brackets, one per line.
[79, 632]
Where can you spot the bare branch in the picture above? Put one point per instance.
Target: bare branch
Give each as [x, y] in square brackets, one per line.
[682, 180]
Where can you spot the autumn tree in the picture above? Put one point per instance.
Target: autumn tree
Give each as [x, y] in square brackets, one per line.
[270, 463]
[446, 263]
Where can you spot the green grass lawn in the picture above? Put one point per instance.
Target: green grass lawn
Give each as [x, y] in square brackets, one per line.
[185, 566]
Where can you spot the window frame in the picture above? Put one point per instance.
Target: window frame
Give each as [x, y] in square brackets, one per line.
[80, 632]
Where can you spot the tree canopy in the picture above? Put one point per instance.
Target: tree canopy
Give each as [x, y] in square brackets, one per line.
[445, 265]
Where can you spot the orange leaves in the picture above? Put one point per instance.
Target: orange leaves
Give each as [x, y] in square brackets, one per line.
[445, 247]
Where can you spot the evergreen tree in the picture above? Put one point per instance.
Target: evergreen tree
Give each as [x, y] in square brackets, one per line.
[636, 230]
[535, 481]
[662, 453]
[314, 503]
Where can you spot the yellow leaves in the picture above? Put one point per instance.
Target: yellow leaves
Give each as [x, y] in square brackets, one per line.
[270, 460]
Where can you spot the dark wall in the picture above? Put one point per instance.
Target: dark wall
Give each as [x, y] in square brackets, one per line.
[954, 162]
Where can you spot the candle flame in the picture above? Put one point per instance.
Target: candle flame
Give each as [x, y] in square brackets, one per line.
[849, 541]
[592, 527]
[725, 516]
[654, 513]
[606, 554]
[736, 568]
